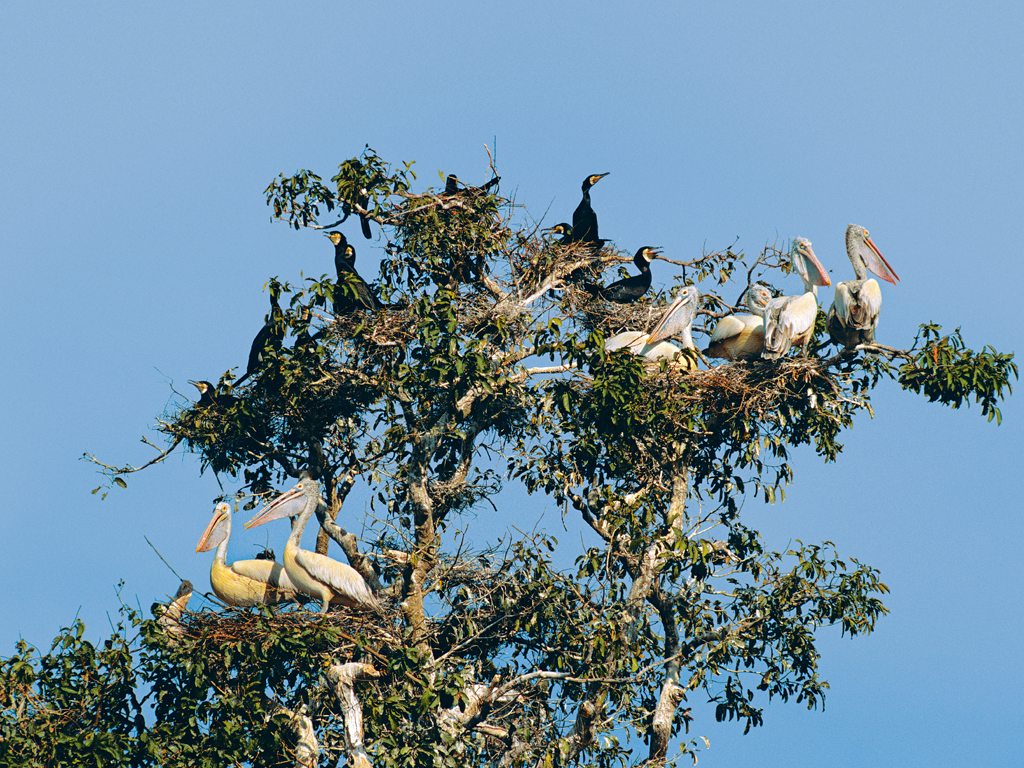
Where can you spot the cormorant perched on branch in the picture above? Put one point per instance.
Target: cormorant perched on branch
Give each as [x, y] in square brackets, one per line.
[629, 289]
[351, 291]
[584, 220]
[270, 336]
[208, 396]
[451, 186]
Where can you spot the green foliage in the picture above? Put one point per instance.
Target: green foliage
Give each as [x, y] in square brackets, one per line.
[477, 376]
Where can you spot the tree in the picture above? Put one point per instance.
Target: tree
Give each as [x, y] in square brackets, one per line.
[485, 368]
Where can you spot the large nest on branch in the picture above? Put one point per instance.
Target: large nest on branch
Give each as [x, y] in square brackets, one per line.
[339, 632]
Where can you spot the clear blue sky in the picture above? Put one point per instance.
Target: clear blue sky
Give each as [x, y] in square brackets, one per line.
[136, 140]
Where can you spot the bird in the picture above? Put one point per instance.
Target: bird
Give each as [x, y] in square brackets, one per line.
[564, 229]
[789, 320]
[209, 397]
[243, 583]
[676, 320]
[741, 337]
[629, 289]
[351, 292]
[584, 220]
[169, 615]
[853, 316]
[270, 336]
[451, 186]
[313, 574]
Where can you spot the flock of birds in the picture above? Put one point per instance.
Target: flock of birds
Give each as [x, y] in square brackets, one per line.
[772, 327]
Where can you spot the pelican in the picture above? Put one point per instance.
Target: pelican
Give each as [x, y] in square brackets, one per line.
[244, 582]
[789, 320]
[741, 337]
[313, 574]
[853, 316]
[676, 320]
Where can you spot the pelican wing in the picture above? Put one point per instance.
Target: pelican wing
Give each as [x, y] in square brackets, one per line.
[344, 580]
[787, 319]
[734, 325]
[631, 340]
[266, 571]
[662, 350]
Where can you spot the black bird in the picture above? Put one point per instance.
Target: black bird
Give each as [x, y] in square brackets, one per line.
[351, 292]
[270, 336]
[451, 186]
[208, 396]
[584, 220]
[629, 289]
[561, 228]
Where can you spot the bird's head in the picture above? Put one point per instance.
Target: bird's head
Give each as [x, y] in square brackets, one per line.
[757, 296]
[350, 253]
[645, 255]
[562, 228]
[335, 237]
[202, 386]
[864, 254]
[218, 528]
[592, 179]
[807, 264]
[291, 503]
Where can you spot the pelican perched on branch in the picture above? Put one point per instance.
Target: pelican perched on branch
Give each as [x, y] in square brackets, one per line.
[676, 321]
[316, 575]
[789, 320]
[741, 337]
[244, 582]
[853, 317]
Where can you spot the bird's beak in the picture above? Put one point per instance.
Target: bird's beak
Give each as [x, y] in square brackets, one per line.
[210, 537]
[280, 507]
[880, 266]
[600, 176]
[818, 274]
[194, 383]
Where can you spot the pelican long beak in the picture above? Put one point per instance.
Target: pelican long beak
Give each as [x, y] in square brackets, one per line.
[282, 506]
[214, 533]
[880, 266]
[816, 272]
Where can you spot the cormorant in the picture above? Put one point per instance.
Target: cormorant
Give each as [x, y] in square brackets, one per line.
[584, 220]
[451, 186]
[208, 396]
[270, 336]
[629, 289]
[351, 291]
[564, 229]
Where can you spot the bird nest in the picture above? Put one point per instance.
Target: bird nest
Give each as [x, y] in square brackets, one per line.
[340, 631]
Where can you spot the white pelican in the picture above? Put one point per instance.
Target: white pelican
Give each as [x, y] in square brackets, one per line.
[676, 320]
[245, 582]
[853, 317]
[313, 574]
[789, 320]
[741, 337]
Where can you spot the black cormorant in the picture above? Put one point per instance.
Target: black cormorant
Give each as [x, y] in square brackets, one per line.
[584, 220]
[270, 336]
[208, 396]
[351, 291]
[451, 186]
[629, 289]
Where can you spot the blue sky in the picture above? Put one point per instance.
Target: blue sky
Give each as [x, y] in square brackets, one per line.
[136, 140]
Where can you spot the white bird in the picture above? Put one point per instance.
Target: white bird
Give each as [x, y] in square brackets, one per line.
[316, 575]
[245, 582]
[741, 337]
[676, 320]
[853, 316]
[789, 320]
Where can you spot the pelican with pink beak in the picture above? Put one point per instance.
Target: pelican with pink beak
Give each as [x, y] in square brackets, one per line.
[313, 574]
[243, 583]
[853, 317]
[789, 320]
